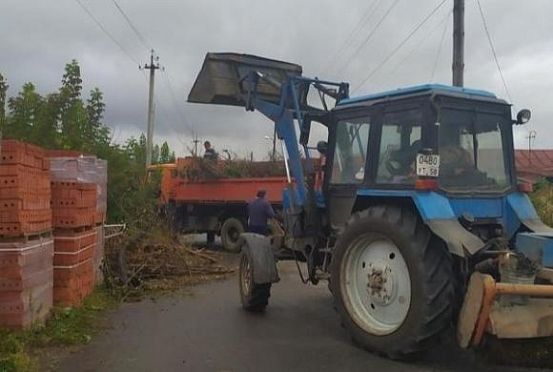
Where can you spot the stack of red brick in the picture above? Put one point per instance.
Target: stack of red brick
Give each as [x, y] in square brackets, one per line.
[26, 246]
[74, 167]
[74, 211]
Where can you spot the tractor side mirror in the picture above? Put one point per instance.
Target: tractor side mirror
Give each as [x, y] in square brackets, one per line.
[523, 117]
[322, 147]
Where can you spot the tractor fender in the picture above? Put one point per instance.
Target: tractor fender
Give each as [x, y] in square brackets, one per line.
[459, 241]
[259, 250]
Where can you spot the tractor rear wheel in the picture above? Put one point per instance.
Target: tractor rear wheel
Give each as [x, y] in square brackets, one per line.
[254, 297]
[230, 234]
[392, 284]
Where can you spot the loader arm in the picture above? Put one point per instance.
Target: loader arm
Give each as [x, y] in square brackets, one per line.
[278, 91]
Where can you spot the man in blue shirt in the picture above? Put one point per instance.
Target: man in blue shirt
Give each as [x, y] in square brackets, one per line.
[259, 212]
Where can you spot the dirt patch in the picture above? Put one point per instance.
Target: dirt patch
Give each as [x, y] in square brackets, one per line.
[531, 353]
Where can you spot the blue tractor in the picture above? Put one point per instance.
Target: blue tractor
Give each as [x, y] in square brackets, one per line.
[414, 216]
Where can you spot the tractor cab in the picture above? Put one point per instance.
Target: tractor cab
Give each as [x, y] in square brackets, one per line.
[451, 140]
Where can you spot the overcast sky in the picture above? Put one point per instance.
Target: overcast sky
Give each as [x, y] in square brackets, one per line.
[39, 37]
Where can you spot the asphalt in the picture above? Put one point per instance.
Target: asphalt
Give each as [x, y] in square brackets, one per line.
[205, 329]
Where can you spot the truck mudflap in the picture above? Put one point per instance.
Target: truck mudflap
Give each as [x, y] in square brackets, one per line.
[505, 310]
[259, 250]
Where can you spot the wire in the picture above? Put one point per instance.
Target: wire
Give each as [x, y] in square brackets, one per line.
[398, 47]
[105, 31]
[493, 50]
[176, 104]
[349, 40]
[421, 42]
[165, 74]
[442, 39]
[131, 25]
[370, 35]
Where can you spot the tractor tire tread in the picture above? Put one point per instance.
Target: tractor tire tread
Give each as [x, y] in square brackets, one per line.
[437, 276]
[259, 298]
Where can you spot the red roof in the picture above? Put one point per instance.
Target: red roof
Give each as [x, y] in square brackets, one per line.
[537, 162]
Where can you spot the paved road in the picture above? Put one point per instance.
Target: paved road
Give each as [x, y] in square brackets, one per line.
[207, 330]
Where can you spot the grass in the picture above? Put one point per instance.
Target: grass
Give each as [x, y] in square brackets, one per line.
[66, 327]
[542, 198]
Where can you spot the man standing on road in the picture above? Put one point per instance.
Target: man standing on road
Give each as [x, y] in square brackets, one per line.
[259, 212]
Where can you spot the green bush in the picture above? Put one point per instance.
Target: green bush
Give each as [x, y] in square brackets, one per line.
[542, 198]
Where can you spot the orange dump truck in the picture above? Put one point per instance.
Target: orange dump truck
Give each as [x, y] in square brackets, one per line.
[213, 204]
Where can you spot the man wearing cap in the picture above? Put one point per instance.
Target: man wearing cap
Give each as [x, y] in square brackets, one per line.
[259, 212]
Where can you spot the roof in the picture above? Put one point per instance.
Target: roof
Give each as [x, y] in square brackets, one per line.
[540, 162]
[419, 89]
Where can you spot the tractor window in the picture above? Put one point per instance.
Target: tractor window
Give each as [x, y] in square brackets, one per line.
[352, 137]
[471, 151]
[399, 145]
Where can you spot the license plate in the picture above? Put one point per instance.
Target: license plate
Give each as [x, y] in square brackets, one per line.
[428, 165]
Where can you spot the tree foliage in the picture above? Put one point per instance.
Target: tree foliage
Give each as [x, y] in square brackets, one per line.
[66, 120]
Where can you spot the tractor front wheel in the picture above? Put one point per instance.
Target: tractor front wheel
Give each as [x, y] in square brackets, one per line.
[254, 297]
[392, 284]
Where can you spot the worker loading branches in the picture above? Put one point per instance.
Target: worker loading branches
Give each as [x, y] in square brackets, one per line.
[260, 212]
[210, 153]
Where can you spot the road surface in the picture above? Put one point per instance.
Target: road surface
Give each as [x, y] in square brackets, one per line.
[206, 330]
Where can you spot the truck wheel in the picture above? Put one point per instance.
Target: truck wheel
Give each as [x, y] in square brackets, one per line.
[254, 297]
[392, 285]
[172, 216]
[230, 234]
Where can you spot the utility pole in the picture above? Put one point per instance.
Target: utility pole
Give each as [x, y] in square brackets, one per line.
[531, 136]
[153, 66]
[273, 155]
[196, 141]
[458, 42]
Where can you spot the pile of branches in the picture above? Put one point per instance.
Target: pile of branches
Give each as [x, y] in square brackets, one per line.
[136, 263]
[155, 261]
[195, 168]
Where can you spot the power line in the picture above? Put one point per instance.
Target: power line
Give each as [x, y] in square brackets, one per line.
[105, 31]
[396, 49]
[423, 39]
[370, 35]
[131, 25]
[440, 45]
[357, 28]
[493, 50]
[176, 103]
[166, 75]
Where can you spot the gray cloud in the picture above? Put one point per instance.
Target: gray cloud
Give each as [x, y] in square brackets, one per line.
[39, 37]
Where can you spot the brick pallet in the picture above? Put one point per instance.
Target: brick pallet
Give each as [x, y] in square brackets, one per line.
[75, 167]
[73, 283]
[26, 282]
[24, 190]
[75, 239]
[26, 245]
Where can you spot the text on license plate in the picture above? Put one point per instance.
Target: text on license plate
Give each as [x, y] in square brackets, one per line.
[428, 165]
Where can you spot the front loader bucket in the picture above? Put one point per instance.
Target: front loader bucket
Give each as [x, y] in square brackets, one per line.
[220, 79]
[483, 310]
